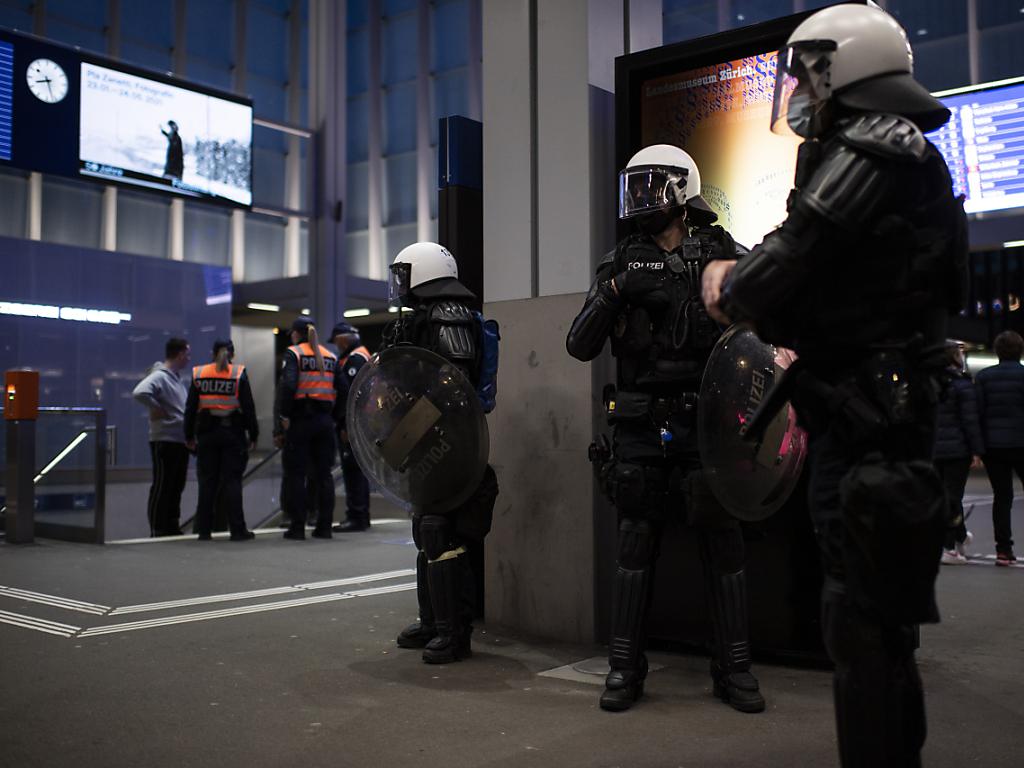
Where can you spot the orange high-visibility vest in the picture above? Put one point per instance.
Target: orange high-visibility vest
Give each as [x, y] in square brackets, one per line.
[314, 384]
[218, 390]
[357, 351]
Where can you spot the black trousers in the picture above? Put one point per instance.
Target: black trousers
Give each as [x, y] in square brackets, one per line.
[170, 467]
[879, 698]
[954, 477]
[357, 487]
[221, 456]
[309, 448]
[1001, 464]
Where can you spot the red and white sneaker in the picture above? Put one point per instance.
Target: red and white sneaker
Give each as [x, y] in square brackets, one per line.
[1005, 557]
[961, 546]
[952, 557]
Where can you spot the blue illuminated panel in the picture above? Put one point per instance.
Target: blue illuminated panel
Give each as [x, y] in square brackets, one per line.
[983, 144]
[6, 98]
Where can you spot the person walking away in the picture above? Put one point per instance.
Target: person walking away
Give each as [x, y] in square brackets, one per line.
[1001, 404]
[958, 449]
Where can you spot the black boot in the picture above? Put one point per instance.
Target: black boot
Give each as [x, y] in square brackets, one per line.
[625, 682]
[452, 642]
[421, 632]
[730, 665]
[352, 525]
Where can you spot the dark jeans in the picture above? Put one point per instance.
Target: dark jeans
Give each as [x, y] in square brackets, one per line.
[309, 446]
[1001, 464]
[954, 477]
[357, 487]
[170, 466]
[221, 457]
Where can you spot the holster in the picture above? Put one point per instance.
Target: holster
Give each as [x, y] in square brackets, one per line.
[895, 520]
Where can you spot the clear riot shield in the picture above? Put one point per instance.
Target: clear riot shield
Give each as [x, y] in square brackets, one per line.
[751, 478]
[417, 429]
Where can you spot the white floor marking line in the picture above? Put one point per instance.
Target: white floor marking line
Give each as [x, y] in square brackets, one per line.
[203, 600]
[54, 600]
[223, 598]
[242, 610]
[224, 535]
[40, 625]
[358, 579]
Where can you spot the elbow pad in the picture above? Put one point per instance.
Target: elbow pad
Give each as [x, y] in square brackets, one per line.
[593, 324]
[452, 329]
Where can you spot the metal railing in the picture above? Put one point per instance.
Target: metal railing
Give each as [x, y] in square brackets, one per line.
[105, 450]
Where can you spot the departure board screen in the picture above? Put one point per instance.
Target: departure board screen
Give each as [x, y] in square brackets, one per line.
[983, 144]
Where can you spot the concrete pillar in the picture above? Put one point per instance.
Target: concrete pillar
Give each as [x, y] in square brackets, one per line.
[549, 215]
[34, 209]
[238, 246]
[176, 230]
[108, 225]
[327, 268]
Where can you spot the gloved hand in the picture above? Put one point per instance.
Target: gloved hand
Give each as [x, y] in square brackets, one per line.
[634, 284]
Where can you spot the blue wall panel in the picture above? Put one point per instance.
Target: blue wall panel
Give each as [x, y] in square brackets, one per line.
[95, 364]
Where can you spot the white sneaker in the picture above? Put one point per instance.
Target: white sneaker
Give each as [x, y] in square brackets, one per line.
[952, 557]
[961, 546]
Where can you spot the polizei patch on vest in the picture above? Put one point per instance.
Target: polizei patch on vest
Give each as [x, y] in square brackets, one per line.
[309, 363]
[646, 265]
[215, 386]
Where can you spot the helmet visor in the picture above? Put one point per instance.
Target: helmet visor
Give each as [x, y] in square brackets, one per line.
[803, 86]
[399, 282]
[648, 188]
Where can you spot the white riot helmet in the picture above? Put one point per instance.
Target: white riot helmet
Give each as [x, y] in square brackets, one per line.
[856, 55]
[418, 264]
[657, 182]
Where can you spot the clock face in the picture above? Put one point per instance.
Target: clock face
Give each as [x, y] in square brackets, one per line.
[47, 80]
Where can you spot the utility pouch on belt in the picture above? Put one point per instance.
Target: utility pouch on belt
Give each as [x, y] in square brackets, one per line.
[894, 515]
[629, 407]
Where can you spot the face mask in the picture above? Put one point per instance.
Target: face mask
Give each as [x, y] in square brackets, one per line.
[800, 115]
[654, 223]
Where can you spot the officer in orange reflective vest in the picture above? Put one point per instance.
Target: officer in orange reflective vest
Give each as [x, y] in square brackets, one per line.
[353, 355]
[306, 397]
[218, 414]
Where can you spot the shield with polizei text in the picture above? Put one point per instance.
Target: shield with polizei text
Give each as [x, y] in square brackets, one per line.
[417, 429]
[752, 479]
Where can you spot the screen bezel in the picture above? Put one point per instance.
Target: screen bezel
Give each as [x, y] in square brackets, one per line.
[166, 78]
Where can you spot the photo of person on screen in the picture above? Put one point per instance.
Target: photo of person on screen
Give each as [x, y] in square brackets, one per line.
[175, 165]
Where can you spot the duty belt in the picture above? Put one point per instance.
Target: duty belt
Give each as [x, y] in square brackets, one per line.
[634, 406]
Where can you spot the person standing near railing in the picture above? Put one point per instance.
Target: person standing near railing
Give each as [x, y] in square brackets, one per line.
[306, 396]
[164, 391]
[357, 488]
[219, 415]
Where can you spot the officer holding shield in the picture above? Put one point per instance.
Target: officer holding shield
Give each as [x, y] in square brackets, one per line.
[859, 281]
[646, 299]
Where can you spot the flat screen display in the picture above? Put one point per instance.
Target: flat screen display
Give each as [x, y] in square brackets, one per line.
[983, 144]
[69, 113]
[721, 115]
[149, 133]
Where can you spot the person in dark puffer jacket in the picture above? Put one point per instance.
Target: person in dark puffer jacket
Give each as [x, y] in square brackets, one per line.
[958, 449]
[1001, 406]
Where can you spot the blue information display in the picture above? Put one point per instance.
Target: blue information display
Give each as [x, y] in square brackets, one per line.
[983, 144]
[6, 98]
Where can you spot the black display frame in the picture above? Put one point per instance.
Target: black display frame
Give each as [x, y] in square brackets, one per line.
[166, 78]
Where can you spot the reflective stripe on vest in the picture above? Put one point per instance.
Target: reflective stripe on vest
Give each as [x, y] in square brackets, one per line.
[218, 390]
[357, 351]
[314, 384]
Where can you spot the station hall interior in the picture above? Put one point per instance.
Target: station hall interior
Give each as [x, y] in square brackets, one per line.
[224, 169]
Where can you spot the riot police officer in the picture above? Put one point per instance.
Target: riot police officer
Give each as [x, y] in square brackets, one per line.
[219, 413]
[306, 396]
[646, 299]
[424, 278]
[352, 356]
[859, 281]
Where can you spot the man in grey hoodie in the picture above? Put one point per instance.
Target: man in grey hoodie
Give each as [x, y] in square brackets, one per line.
[164, 392]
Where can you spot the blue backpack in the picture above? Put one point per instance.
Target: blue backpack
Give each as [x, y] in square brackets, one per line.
[487, 384]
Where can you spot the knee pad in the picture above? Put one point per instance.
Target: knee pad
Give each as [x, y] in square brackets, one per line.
[436, 535]
[638, 541]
